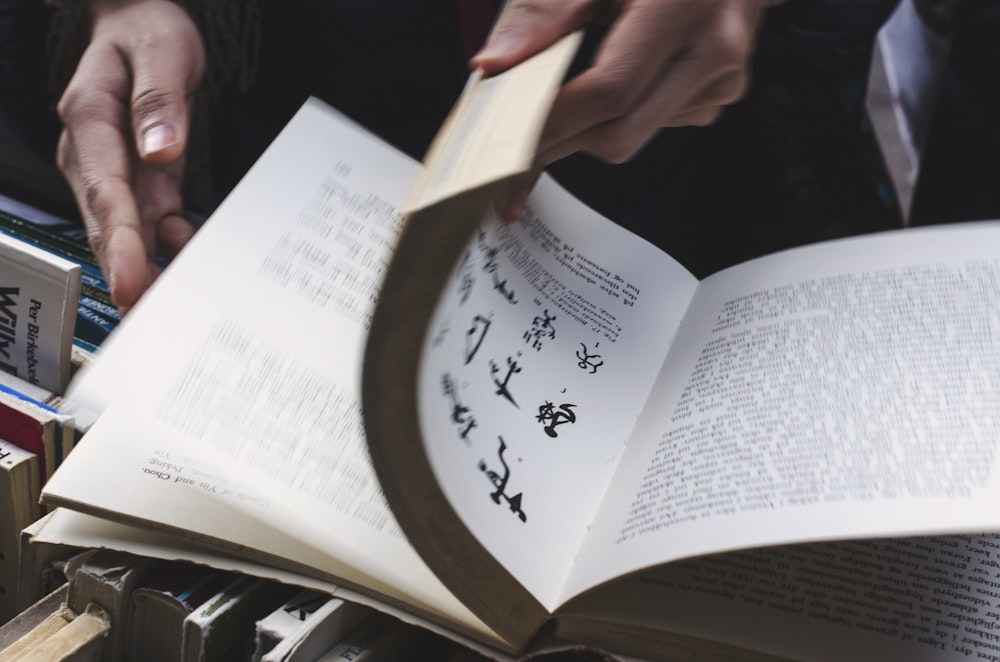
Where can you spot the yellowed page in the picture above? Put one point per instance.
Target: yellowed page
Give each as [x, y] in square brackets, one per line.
[234, 382]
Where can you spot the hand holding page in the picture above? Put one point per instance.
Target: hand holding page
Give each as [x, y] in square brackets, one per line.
[559, 415]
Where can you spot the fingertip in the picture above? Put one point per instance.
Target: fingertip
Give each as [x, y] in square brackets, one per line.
[128, 275]
[121, 294]
[511, 207]
[500, 51]
[172, 234]
[508, 213]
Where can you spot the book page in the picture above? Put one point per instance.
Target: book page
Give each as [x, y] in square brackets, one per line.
[841, 390]
[494, 130]
[920, 599]
[538, 361]
[234, 380]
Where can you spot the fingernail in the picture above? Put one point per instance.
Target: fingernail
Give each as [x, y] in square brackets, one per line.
[112, 281]
[513, 208]
[158, 137]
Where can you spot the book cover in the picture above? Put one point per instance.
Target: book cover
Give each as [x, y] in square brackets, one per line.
[39, 292]
[38, 428]
[96, 313]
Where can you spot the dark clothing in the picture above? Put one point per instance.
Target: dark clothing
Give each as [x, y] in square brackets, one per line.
[960, 165]
[25, 119]
[796, 161]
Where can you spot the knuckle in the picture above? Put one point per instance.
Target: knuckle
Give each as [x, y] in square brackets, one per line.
[63, 156]
[150, 100]
[734, 44]
[616, 146]
[99, 193]
[73, 98]
[610, 97]
[731, 87]
[706, 117]
[79, 104]
[529, 14]
[738, 86]
[95, 238]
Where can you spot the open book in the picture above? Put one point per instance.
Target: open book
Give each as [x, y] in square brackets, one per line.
[567, 426]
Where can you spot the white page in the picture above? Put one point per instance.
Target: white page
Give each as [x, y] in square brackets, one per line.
[548, 339]
[873, 415]
[239, 371]
[919, 599]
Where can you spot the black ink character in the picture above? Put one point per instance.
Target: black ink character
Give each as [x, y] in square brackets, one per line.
[588, 360]
[441, 334]
[500, 483]
[547, 412]
[541, 328]
[501, 286]
[512, 368]
[493, 268]
[475, 335]
[466, 278]
[460, 414]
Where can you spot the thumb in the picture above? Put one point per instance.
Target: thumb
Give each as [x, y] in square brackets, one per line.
[164, 80]
[159, 121]
[527, 27]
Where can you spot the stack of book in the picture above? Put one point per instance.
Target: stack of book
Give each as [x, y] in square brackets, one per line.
[47, 282]
[116, 607]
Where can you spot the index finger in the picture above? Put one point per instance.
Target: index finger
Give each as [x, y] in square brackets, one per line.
[95, 154]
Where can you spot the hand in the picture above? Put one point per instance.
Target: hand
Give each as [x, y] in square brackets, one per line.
[662, 63]
[125, 125]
